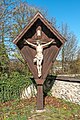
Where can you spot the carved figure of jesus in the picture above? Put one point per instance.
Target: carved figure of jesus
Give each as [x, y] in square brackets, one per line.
[39, 54]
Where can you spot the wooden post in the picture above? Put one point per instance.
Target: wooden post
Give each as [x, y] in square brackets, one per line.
[40, 105]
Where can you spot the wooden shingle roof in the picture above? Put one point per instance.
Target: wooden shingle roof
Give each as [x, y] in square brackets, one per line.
[37, 16]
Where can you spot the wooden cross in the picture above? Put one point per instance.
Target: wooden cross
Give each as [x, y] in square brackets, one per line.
[39, 29]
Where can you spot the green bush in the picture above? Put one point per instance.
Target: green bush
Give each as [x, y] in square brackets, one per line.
[12, 85]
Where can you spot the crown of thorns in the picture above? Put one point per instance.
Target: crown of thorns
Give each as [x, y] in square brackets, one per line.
[38, 41]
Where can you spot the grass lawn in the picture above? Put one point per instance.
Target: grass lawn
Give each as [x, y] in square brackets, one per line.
[55, 109]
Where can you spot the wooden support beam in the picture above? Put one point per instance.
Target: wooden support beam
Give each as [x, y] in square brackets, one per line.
[40, 105]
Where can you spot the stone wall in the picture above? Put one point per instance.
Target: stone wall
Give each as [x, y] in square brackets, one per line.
[28, 92]
[69, 91]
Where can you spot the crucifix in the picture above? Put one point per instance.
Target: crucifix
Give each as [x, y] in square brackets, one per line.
[39, 55]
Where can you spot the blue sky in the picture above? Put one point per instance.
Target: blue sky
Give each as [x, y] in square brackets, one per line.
[66, 11]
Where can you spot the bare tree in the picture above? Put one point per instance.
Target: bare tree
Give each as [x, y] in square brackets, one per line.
[20, 17]
[69, 49]
[14, 15]
[3, 51]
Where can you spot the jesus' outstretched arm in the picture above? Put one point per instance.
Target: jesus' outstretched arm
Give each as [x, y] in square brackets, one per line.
[52, 41]
[30, 43]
